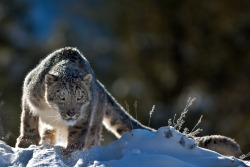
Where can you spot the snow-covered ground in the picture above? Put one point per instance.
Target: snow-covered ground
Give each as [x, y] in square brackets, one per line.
[139, 148]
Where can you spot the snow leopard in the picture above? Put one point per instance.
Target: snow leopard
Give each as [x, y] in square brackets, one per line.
[62, 99]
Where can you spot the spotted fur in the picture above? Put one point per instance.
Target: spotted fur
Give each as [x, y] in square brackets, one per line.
[62, 97]
[221, 144]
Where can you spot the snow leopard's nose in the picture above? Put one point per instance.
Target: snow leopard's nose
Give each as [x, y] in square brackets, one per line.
[71, 113]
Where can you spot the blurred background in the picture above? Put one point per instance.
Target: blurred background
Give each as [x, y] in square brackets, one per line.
[153, 52]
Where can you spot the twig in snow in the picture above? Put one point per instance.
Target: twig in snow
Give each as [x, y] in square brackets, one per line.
[150, 114]
[127, 107]
[197, 124]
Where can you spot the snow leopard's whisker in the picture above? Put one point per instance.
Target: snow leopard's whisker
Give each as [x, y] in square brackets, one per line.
[56, 120]
[53, 116]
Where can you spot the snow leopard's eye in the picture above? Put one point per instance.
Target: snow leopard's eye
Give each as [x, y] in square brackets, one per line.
[61, 97]
[79, 98]
[80, 95]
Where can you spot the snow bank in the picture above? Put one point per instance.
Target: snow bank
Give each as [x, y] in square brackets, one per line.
[139, 148]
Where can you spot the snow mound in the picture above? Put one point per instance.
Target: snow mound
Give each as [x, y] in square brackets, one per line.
[165, 147]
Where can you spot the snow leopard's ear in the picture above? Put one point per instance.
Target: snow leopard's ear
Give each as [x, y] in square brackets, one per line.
[87, 79]
[50, 79]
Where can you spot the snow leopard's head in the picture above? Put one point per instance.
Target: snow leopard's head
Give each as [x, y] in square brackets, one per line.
[68, 96]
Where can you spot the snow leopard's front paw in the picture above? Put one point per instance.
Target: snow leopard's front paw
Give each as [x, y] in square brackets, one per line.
[26, 141]
[66, 153]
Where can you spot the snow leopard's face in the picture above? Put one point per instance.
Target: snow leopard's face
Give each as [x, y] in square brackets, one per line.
[69, 97]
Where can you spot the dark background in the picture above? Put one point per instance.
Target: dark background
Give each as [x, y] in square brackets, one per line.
[156, 52]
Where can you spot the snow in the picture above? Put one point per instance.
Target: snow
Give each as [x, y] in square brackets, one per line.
[138, 148]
